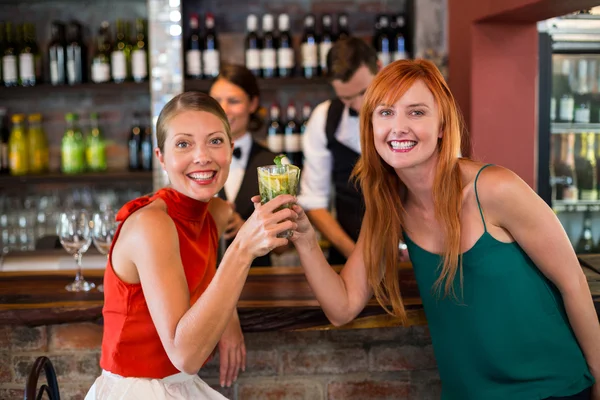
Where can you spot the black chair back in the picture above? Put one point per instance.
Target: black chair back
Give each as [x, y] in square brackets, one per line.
[51, 386]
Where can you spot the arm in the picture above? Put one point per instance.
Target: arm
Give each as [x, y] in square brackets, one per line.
[342, 296]
[315, 182]
[190, 333]
[511, 204]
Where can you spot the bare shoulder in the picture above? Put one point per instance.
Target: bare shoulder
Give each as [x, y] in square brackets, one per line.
[148, 222]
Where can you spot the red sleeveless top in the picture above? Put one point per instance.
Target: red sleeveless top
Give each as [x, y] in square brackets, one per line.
[131, 346]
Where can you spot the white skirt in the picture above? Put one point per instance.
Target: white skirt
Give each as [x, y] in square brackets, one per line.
[175, 387]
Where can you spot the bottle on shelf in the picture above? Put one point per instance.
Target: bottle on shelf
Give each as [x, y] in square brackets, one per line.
[252, 45]
[193, 55]
[4, 137]
[56, 54]
[566, 99]
[327, 40]
[306, 110]
[309, 47]
[381, 40]
[10, 69]
[342, 23]
[399, 38]
[134, 144]
[72, 147]
[139, 53]
[30, 71]
[39, 155]
[101, 60]
[76, 54]
[285, 49]
[275, 133]
[568, 174]
[146, 148]
[585, 244]
[211, 59]
[268, 52]
[18, 149]
[95, 146]
[597, 140]
[292, 137]
[120, 56]
[586, 168]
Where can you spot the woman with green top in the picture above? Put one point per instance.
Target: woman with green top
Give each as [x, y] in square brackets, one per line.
[508, 306]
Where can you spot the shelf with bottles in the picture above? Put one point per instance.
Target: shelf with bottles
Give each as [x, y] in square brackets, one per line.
[90, 178]
[567, 127]
[86, 88]
[576, 206]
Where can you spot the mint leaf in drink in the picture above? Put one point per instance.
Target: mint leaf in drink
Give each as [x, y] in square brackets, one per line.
[281, 160]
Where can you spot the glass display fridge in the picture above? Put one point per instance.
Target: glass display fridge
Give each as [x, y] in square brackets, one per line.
[569, 125]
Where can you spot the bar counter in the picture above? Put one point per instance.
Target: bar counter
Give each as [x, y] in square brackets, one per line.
[273, 299]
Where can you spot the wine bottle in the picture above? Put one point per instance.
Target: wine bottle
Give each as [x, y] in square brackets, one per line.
[95, 149]
[252, 45]
[10, 69]
[193, 55]
[306, 110]
[139, 53]
[585, 244]
[29, 58]
[343, 30]
[381, 40]
[56, 54]
[309, 47]
[121, 55]
[268, 53]
[210, 57]
[327, 40]
[134, 144]
[4, 135]
[101, 60]
[292, 137]
[275, 133]
[76, 54]
[285, 50]
[399, 39]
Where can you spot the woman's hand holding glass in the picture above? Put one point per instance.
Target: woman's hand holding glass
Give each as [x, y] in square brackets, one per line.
[258, 236]
[75, 236]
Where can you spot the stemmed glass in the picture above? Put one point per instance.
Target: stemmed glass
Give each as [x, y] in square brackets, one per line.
[75, 236]
[103, 232]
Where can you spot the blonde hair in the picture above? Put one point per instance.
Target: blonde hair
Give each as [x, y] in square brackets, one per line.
[381, 186]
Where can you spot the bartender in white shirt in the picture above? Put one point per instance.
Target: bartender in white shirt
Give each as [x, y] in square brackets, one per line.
[331, 146]
[236, 90]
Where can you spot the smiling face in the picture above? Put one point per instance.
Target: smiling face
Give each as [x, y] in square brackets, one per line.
[197, 154]
[406, 133]
[236, 103]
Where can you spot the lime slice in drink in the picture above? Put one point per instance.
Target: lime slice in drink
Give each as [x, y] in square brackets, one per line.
[281, 160]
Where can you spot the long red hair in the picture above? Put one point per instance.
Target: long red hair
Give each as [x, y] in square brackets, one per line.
[382, 187]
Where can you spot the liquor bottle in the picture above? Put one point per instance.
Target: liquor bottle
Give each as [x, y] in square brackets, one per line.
[193, 55]
[327, 40]
[56, 54]
[585, 244]
[76, 54]
[343, 31]
[211, 56]
[586, 168]
[306, 110]
[18, 151]
[4, 136]
[292, 137]
[581, 110]
[101, 60]
[381, 40]
[268, 53]
[120, 55]
[39, 157]
[597, 140]
[134, 143]
[570, 191]
[95, 146]
[309, 47]
[29, 58]
[139, 53]
[252, 45]
[275, 134]
[72, 147]
[582, 76]
[285, 50]
[399, 40]
[566, 101]
[10, 69]
[146, 148]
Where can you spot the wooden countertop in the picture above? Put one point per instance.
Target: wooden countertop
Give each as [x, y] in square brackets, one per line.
[273, 298]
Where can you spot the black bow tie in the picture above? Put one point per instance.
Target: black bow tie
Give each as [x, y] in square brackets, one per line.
[237, 152]
[352, 112]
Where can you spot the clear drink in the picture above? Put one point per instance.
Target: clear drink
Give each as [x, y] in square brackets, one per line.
[274, 180]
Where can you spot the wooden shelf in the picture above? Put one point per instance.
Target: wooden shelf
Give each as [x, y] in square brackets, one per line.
[8, 181]
[566, 127]
[45, 89]
[265, 84]
[576, 206]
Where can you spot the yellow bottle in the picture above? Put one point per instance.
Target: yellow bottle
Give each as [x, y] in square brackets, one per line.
[18, 155]
[39, 158]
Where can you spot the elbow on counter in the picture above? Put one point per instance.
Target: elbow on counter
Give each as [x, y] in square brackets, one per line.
[339, 320]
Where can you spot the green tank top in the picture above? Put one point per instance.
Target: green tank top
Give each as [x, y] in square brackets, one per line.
[507, 337]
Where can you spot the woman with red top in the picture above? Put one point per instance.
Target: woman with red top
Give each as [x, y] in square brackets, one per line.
[166, 305]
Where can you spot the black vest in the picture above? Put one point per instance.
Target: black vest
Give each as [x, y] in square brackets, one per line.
[349, 202]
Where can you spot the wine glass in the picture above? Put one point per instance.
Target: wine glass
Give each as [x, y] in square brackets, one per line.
[75, 237]
[103, 232]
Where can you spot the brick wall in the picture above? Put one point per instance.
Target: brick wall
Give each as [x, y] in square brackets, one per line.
[384, 363]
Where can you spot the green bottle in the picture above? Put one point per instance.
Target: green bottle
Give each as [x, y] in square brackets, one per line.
[73, 147]
[95, 149]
